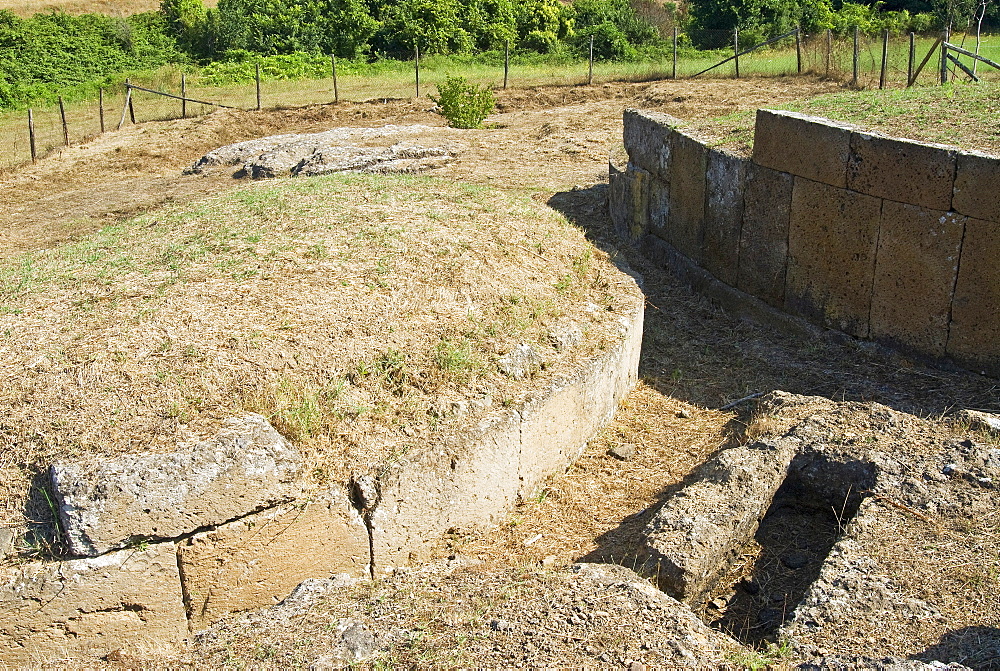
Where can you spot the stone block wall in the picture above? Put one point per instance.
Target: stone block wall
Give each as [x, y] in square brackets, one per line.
[881, 238]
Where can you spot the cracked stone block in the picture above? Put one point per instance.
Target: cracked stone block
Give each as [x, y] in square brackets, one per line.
[685, 229]
[85, 608]
[725, 182]
[974, 335]
[763, 253]
[977, 183]
[106, 504]
[647, 140]
[832, 238]
[629, 201]
[258, 560]
[691, 537]
[803, 145]
[888, 167]
[915, 271]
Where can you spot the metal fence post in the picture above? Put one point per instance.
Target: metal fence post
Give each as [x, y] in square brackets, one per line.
[854, 78]
[885, 57]
[736, 47]
[798, 50]
[909, 63]
[416, 66]
[674, 75]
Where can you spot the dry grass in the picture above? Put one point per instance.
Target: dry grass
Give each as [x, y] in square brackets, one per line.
[349, 310]
[114, 8]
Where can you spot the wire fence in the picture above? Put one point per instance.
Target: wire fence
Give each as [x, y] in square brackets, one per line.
[824, 54]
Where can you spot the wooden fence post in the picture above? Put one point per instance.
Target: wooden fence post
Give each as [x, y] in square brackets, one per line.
[590, 70]
[416, 66]
[854, 78]
[127, 105]
[829, 49]
[674, 75]
[909, 63]
[128, 100]
[62, 115]
[798, 50]
[333, 66]
[184, 95]
[944, 56]
[100, 104]
[885, 57]
[506, 62]
[736, 46]
[31, 135]
[257, 77]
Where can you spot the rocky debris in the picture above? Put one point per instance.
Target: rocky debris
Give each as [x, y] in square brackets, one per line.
[106, 504]
[691, 537]
[622, 451]
[980, 421]
[336, 150]
[499, 618]
[86, 608]
[565, 335]
[862, 663]
[521, 362]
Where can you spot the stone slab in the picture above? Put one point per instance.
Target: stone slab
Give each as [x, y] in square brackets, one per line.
[685, 228]
[974, 334]
[832, 239]
[628, 201]
[977, 183]
[53, 612]
[691, 537]
[915, 271]
[803, 145]
[902, 170]
[258, 560]
[473, 478]
[647, 139]
[763, 253]
[725, 180]
[105, 504]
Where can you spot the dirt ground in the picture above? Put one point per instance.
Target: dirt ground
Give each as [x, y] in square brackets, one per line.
[554, 143]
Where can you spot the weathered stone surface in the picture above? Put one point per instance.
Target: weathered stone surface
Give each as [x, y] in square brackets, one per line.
[803, 145]
[763, 253]
[257, 560]
[974, 337]
[831, 255]
[521, 362]
[628, 201]
[725, 182]
[471, 479]
[647, 140]
[399, 158]
[284, 154]
[902, 170]
[977, 183]
[915, 271]
[690, 538]
[107, 504]
[685, 227]
[981, 421]
[86, 608]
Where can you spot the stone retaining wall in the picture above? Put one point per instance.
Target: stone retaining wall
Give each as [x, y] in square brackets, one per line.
[881, 238]
[170, 543]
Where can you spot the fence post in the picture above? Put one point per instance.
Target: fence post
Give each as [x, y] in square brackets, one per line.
[62, 115]
[416, 66]
[31, 135]
[506, 62]
[909, 63]
[590, 69]
[100, 105]
[333, 67]
[674, 76]
[854, 79]
[131, 106]
[944, 56]
[257, 78]
[829, 49]
[885, 57]
[798, 50]
[184, 95]
[736, 47]
[127, 105]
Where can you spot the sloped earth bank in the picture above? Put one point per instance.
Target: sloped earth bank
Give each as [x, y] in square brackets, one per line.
[510, 596]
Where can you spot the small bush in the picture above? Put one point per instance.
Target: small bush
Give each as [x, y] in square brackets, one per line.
[465, 105]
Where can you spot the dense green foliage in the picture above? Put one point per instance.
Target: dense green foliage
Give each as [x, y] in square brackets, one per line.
[57, 54]
[464, 105]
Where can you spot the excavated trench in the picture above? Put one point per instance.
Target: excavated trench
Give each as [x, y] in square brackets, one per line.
[743, 543]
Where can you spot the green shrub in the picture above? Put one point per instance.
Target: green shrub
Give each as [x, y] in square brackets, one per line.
[465, 105]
